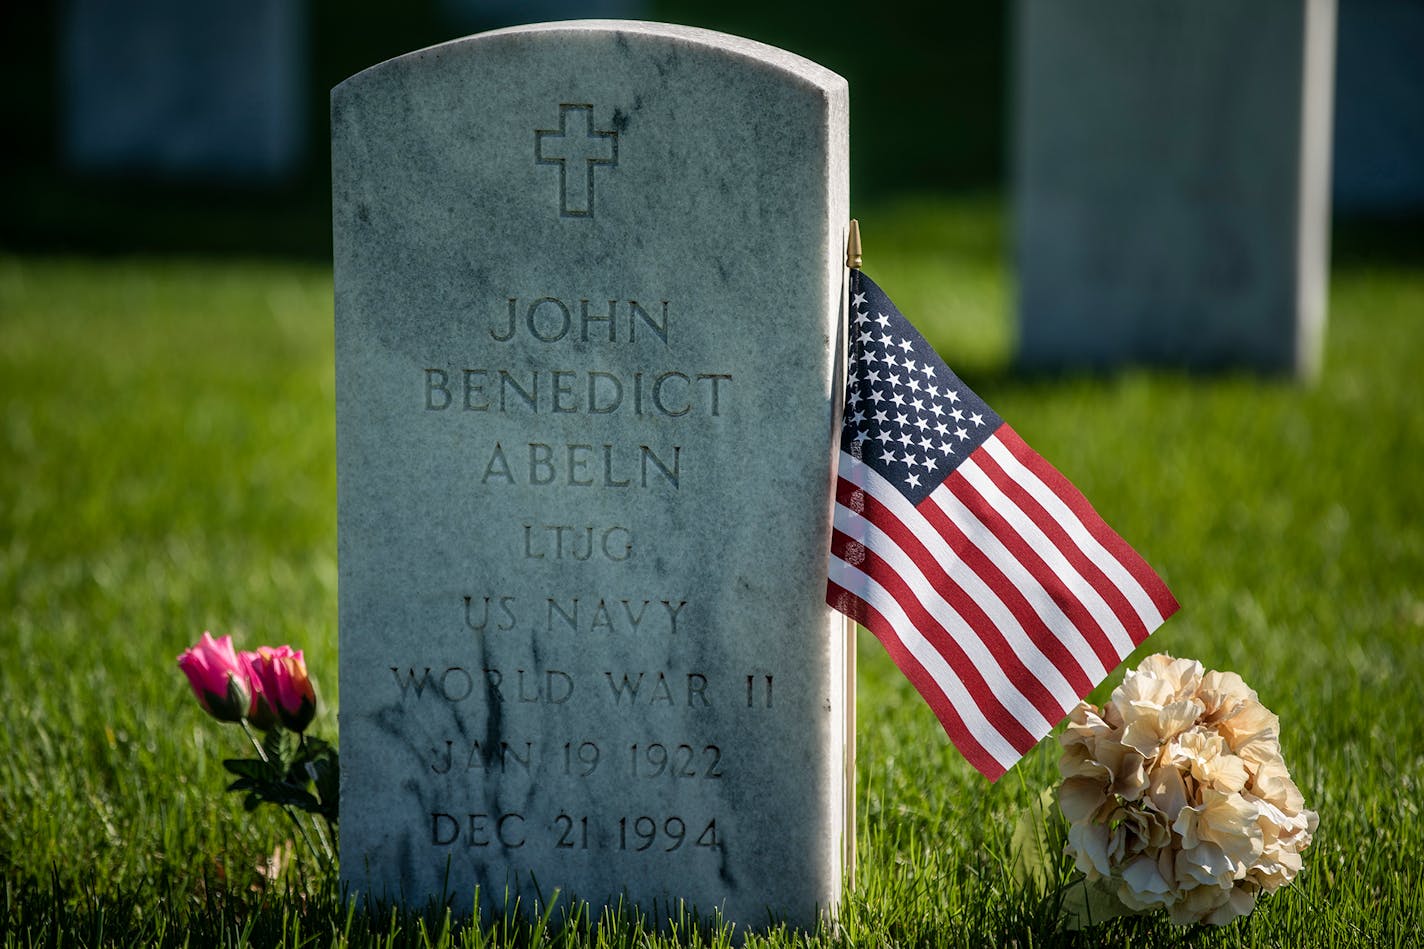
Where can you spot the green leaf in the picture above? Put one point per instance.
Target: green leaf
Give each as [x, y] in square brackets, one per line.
[328, 789]
[1037, 843]
[315, 747]
[248, 768]
[279, 748]
[316, 762]
[289, 795]
[1088, 903]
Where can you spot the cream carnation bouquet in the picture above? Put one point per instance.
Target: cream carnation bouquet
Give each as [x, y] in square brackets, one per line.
[1177, 797]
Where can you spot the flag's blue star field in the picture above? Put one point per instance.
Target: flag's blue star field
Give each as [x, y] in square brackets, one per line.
[907, 415]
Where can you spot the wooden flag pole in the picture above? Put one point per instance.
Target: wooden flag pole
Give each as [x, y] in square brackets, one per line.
[853, 261]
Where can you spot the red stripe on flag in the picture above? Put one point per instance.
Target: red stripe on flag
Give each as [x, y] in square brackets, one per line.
[863, 613]
[999, 717]
[1047, 578]
[1045, 522]
[1131, 561]
[954, 594]
[1012, 597]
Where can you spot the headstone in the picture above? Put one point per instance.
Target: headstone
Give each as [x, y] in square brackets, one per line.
[1379, 107]
[1172, 182]
[211, 91]
[589, 280]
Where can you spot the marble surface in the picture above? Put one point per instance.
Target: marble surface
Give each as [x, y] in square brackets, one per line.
[589, 279]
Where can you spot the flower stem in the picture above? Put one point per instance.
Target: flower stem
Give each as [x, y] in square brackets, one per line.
[301, 829]
[261, 752]
[324, 836]
[325, 843]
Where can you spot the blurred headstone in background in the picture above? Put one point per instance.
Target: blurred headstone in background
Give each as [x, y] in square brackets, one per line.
[492, 14]
[193, 90]
[1379, 107]
[1172, 182]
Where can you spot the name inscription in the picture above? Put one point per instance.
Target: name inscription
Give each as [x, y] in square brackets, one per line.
[657, 393]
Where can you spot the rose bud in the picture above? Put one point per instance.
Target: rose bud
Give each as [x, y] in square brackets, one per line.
[282, 672]
[263, 711]
[219, 679]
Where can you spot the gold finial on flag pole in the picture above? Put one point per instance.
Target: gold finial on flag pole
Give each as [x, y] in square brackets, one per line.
[853, 245]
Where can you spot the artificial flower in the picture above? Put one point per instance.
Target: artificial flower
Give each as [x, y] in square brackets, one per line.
[280, 675]
[1176, 792]
[219, 679]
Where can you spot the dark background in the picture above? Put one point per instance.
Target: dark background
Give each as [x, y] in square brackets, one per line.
[928, 89]
[931, 98]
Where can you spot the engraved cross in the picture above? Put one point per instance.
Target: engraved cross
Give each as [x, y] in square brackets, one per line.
[576, 148]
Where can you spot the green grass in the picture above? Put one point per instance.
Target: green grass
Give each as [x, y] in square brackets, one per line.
[166, 466]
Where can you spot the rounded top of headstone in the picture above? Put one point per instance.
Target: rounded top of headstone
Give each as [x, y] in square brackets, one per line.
[621, 31]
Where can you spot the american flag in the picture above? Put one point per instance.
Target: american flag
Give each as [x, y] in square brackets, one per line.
[993, 584]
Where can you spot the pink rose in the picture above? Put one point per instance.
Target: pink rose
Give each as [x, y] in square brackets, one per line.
[219, 679]
[280, 676]
[262, 713]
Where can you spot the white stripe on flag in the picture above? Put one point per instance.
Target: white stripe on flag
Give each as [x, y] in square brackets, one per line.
[1094, 551]
[1033, 593]
[1018, 575]
[1003, 688]
[956, 695]
[1032, 535]
[1039, 600]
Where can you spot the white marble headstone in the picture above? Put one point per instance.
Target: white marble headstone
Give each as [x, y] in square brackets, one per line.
[589, 280]
[1172, 182]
